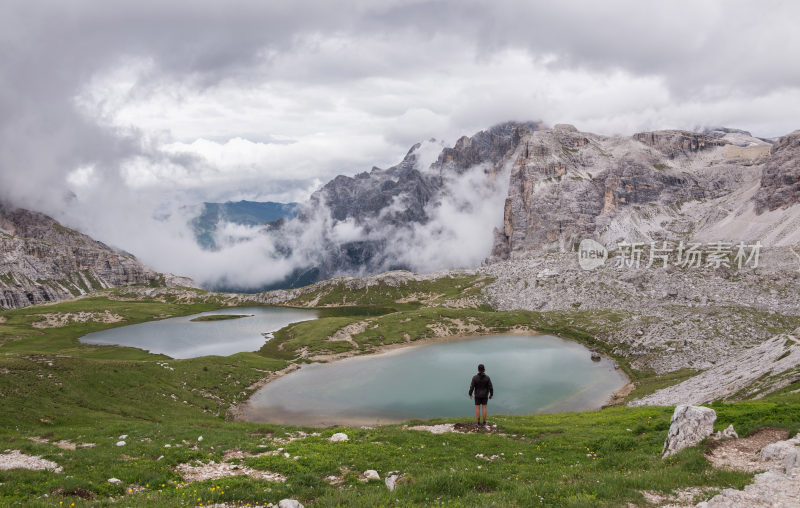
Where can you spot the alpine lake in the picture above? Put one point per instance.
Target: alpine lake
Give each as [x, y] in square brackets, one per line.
[531, 373]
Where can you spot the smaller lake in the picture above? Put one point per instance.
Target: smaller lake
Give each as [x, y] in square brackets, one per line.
[530, 374]
[180, 337]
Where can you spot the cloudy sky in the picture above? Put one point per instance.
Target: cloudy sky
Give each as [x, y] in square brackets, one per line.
[140, 107]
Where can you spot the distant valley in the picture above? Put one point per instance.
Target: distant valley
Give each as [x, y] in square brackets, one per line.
[243, 213]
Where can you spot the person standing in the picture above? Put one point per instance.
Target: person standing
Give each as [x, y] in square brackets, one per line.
[481, 385]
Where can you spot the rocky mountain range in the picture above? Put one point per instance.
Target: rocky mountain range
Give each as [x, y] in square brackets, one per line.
[43, 261]
[557, 186]
[564, 185]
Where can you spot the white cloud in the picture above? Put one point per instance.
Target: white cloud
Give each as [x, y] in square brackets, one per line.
[81, 176]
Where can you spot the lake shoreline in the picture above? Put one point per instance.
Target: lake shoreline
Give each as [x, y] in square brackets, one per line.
[236, 412]
[215, 332]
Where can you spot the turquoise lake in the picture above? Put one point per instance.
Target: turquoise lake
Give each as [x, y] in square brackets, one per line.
[530, 374]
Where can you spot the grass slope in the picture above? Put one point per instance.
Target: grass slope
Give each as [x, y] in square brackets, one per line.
[55, 388]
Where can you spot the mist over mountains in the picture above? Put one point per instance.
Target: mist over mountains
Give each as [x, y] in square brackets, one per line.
[436, 209]
[217, 222]
[519, 187]
[503, 192]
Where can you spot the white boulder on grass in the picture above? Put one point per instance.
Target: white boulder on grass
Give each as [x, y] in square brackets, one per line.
[289, 503]
[339, 436]
[120, 443]
[689, 425]
[371, 474]
[391, 482]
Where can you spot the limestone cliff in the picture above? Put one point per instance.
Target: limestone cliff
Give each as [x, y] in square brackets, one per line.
[567, 185]
[780, 183]
[42, 261]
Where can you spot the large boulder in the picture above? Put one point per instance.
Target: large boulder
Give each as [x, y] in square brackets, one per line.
[689, 426]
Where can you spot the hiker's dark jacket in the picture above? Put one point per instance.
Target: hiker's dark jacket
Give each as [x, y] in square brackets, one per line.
[481, 385]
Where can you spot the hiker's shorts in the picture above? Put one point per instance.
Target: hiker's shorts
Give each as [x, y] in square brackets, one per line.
[481, 401]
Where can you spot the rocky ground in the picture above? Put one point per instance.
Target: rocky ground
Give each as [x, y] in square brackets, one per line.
[698, 318]
[778, 483]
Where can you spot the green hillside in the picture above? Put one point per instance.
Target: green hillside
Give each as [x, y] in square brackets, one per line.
[69, 403]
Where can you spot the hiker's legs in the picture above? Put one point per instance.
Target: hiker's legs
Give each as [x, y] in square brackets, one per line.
[477, 413]
[484, 413]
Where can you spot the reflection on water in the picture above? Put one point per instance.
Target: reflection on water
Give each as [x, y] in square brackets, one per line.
[530, 373]
[181, 338]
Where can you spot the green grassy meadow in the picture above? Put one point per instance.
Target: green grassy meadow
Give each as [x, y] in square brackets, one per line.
[58, 391]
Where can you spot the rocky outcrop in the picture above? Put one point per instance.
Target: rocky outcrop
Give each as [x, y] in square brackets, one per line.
[366, 195]
[566, 185]
[384, 204]
[689, 425]
[780, 182]
[43, 261]
[490, 147]
[778, 486]
[673, 143]
[771, 365]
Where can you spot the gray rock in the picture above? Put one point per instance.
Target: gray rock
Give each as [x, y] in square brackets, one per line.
[391, 482]
[770, 489]
[689, 425]
[778, 451]
[546, 274]
[43, 261]
[114, 480]
[728, 433]
[780, 181]
[566, 186]
[339, 436]
[791, 461]
[289, 503]
[371, 474]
